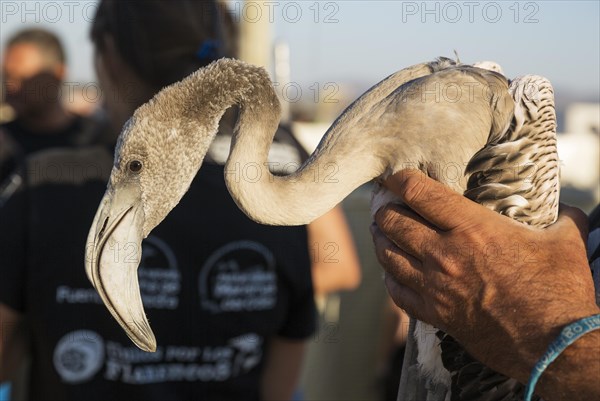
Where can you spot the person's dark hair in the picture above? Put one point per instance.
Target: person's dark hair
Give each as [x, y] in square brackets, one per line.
[46, 41]
[164, 41]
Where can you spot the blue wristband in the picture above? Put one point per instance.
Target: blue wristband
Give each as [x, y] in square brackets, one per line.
[567, 336]
[4, 391]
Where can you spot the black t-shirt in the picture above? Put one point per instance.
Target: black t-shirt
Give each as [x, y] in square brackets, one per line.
[593, 249]
[216, 288]
[32, 141]
[23, 141]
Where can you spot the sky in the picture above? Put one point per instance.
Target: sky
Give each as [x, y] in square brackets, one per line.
[364, 41]
[557, 39]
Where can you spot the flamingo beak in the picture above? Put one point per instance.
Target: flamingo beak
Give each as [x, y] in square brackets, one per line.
[112, 259]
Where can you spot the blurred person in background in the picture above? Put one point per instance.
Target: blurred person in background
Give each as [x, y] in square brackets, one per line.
[252, 351]
[33, 70]
[335, 263]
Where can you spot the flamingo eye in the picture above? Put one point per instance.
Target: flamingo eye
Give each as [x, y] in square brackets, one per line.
[135, 166]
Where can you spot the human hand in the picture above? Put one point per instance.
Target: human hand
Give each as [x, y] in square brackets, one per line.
[502, 289]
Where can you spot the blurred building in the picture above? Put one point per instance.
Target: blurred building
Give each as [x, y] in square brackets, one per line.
[579, 153]
[583, 118]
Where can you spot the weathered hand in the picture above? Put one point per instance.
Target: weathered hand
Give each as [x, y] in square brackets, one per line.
[502, 289]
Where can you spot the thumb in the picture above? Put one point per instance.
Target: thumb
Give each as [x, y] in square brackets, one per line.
[434, 201]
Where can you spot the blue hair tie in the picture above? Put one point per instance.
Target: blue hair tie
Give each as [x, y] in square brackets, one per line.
[5, 391]
[209, 50]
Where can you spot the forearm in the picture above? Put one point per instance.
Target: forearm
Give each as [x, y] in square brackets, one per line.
[335, 263]
[282, 369]
[327, 278]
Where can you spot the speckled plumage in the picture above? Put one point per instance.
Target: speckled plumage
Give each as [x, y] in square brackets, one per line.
[516, 174]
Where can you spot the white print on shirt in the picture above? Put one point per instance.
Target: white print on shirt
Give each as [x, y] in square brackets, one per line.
[159, 278]
[129, 364]
[78, 355]
[240, 276]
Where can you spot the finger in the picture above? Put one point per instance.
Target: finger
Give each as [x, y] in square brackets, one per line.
[434, 201]
[397, 263]
[406, 229]
[572, 218]
[405, 298]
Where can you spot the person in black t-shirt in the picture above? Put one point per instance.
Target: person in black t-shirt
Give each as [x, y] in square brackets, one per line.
[226, 297]
[33, 69]
[230, 300]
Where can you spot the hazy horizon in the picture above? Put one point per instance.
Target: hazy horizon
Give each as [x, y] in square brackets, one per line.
[363, 41]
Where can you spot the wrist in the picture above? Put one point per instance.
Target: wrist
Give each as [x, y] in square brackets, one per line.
[575, 373]
[533, 341]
